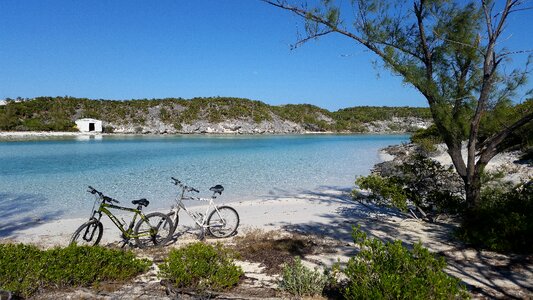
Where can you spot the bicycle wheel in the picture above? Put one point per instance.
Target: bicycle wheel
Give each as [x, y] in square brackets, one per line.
[88, 234]
[173, 215]
[224, 222]
[156, 228]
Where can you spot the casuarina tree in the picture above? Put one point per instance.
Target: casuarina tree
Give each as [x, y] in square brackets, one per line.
[452, 52]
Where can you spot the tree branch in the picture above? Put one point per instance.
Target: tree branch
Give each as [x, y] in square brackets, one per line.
[490, 146]
[308, 38]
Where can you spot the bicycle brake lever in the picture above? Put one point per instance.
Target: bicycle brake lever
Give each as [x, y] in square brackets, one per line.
[91, 190]
[109, 199]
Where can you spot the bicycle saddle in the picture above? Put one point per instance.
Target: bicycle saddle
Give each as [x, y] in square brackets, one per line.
[217, 189]
[142, 202]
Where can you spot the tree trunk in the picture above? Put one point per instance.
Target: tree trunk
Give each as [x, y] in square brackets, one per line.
[473, 192]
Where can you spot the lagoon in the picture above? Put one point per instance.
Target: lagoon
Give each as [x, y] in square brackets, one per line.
[46, 179]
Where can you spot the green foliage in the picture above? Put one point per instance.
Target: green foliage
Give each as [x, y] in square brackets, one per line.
[300, 281]
[311, 117]
[430, 186]
[504, 220]
[352, 119]
[426, 139]
[25, 269]
[420, 180]
[384, 191]
[501, 116]
[392, 271]
[201, 267]
[108, 129]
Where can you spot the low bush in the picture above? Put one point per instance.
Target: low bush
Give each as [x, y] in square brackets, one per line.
[420, 181]
[392, 271]
[201, 267]
[384, 191]
[24, 269]
[299, 280]
[504, 220]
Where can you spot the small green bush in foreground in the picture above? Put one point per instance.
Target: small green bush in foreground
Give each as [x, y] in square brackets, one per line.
[201, 267]
[301, 281]
[391, 271]
[504, 220]
[24, 269]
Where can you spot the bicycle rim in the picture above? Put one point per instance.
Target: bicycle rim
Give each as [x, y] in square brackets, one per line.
[223, 223]
[88, 234]
[155, 230]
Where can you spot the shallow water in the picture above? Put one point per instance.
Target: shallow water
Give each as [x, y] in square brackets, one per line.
[48, 179]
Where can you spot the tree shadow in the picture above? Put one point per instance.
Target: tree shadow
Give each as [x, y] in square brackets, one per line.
[485, 273]
[22, 211]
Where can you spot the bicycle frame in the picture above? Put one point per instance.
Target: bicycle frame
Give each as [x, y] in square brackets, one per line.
[179, 206]
[193, 216]
[127, 233]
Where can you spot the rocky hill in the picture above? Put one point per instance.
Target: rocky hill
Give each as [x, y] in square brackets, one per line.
[205, 115]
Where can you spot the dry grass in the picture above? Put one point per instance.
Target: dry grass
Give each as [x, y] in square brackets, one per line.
[272, 249]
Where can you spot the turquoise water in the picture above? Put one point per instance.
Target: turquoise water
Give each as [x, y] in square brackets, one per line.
[49, 178]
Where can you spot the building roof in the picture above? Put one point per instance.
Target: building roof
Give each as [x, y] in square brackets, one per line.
[88, 120]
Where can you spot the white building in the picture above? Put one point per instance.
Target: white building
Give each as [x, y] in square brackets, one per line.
[89, 125]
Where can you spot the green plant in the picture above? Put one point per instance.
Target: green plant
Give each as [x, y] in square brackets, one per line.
[422, 181]
[384, 191]
[108, 129]
[300, 281]
[201, 267]
[24, 269]
[504, 222]
[392, 271]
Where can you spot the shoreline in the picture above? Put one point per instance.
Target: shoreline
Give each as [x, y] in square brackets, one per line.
[25, 135]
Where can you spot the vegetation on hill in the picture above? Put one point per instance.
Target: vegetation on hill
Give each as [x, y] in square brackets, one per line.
[59, 113]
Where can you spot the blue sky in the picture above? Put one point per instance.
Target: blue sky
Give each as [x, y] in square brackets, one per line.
[124, 49]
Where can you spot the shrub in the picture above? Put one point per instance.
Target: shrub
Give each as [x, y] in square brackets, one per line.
[108, 129]
[391, 271]
[504, 220]
[201, 267]
[384, 191]
[300, 281]
[423, 181]
[24, 269]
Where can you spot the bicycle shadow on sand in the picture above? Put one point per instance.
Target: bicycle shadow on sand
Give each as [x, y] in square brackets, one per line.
[19, 212]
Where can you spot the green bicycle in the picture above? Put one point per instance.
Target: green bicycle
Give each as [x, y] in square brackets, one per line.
[153, 228]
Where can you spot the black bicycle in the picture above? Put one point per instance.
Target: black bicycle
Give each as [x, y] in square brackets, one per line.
[153, 228]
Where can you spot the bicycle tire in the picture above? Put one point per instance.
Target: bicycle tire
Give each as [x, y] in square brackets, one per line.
[86, 233]
[175, 222]
[223, 223]
[155, 229]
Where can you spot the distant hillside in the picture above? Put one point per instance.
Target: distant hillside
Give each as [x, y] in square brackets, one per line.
[204, 115]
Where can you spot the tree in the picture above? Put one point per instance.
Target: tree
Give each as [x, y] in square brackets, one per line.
[447, 50]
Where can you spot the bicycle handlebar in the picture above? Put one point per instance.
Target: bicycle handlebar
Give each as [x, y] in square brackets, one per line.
[104, 197]
[187, 188]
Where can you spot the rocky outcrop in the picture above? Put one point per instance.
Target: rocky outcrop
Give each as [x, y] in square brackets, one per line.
[397, 125]
[276, 125]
